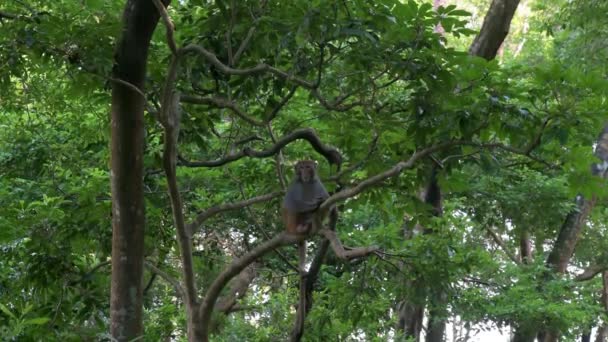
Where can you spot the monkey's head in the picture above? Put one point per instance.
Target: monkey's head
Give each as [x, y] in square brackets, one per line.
[306, 170]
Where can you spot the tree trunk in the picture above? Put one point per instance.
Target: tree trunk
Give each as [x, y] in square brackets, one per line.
[562, 251]
[437, 318]
[525, 248]
[410, 318]
[494, 29]
[602, 331]
[140, 17]
[569, 234]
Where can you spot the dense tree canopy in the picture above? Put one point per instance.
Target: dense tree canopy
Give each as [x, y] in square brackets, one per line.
[468, 169]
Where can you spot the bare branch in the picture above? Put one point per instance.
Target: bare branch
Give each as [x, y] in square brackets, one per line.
[212, 58]
[170, 28]
[330, 153]
[281, 104]
[169, 279]
[202, 217]
[346, 254]
[262, 68]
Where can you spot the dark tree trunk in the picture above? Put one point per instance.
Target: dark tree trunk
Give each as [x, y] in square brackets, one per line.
[494, 29]
[602, 331]
[437, 318]
[569, 234]
[525, 248]
[410, 319]
[140, 17]
[586, 337]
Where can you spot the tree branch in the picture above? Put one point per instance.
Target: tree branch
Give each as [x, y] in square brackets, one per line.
[203, 216]
[330, 153]
[174, 282]
[222, 103]
[381, 177]
[590, 272]
[234, 269]
[170, 120]
[346, 254]
[502, 244]
[238, 289]
[170, 28]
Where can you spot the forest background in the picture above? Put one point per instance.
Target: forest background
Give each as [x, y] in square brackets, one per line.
[145, 146]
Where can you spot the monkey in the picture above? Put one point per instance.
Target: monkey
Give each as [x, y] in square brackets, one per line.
[302, 199]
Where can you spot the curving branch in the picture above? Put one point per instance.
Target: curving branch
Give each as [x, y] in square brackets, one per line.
[381, 177]
[238, 265]
[169, 279]
[170, 28]
[203, 216]
[332, 155]
[346, 253]
[222, 103]
[590, 272]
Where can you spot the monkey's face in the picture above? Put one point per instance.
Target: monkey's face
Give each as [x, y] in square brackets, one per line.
[306, 170]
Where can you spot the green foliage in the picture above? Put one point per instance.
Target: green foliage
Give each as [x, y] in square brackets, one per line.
[529, 122]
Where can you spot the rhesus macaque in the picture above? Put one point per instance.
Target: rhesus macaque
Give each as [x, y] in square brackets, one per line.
[303, 197]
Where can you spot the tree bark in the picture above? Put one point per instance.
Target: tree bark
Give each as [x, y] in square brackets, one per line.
[602, 331]
[140, 17]
[525, 248]
[569, 234]
[494, 29]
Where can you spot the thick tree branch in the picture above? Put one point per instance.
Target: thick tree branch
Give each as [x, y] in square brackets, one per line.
[590, 272]
[238, 289]
[330, 153]
[5, 15]
[234, 269]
